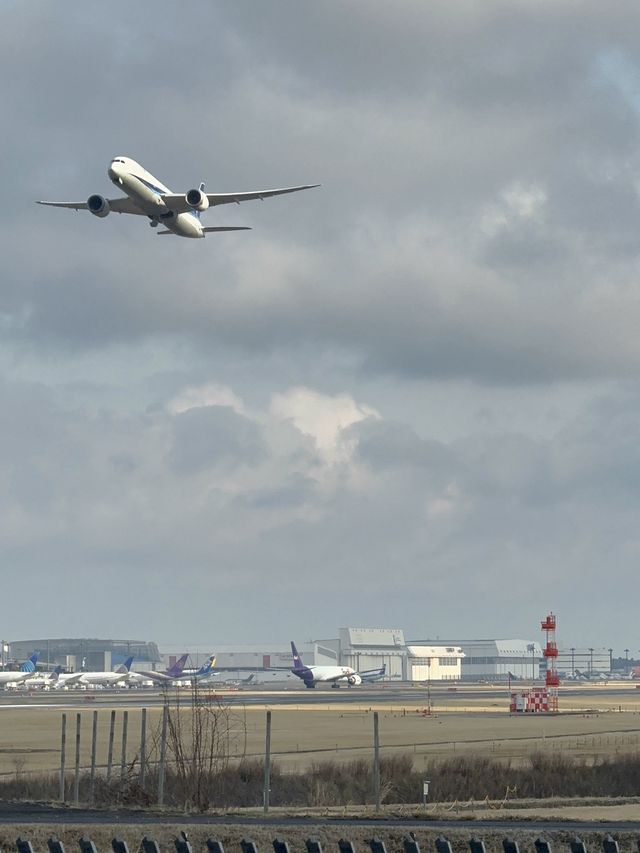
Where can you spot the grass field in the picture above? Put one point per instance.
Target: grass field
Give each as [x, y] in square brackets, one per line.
[596, 723]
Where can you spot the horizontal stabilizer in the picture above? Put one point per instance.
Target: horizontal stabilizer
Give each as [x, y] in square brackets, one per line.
[228, 228]
[216, 228]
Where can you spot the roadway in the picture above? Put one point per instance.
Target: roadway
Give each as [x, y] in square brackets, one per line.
[374, 695]
[38, 813]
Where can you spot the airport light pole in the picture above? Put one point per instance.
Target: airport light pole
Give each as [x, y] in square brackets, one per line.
[610, 661]
[573, 661]
[531, 647]
[626, 657]
[590, 659]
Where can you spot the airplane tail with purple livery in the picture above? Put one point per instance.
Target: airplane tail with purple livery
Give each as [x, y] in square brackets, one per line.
[300, 669]
[175, 671]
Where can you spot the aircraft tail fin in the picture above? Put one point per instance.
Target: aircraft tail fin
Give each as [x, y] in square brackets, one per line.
[30, 665]
[55, 674]
[208, 666]
[175, 671]
[297, 660]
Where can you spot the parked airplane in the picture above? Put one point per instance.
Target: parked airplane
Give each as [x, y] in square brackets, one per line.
[10, 676]
[203, 672]
[311, 675]
[91, 679]
[373, 674]
[173, 673]
[592, 676]
[43, 679]
[178, 212]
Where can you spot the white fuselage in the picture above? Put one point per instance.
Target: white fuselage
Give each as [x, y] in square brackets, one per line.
[103, 678]
[9, 677]
[331, 673]
[146, 191]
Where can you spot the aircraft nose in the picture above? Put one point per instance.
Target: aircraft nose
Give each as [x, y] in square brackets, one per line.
[114, 172]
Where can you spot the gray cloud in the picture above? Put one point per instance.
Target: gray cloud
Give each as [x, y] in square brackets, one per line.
[475, 236]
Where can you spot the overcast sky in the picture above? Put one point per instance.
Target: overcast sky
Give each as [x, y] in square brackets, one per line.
[406, 399]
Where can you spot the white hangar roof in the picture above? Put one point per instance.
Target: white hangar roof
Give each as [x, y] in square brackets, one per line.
[378, 637]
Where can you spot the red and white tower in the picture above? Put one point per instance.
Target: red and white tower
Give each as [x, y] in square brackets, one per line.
[550, 653]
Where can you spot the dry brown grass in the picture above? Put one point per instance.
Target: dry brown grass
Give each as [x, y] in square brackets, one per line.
[231, 836]
[30, 737]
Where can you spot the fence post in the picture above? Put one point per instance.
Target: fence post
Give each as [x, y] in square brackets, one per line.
[94, 741]
[63, 749]
[112, 729]
[163, 754]
[123, 756]
[143, 745]
[410, 844]
[76, 781]
[376, 761]
[267, 765]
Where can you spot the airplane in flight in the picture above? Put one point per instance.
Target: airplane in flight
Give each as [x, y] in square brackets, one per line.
[27, 669]
[179, 213]
[311, 675]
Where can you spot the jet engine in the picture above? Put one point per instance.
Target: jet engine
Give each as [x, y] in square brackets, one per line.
[98, 205]
[354, 679]
[197, 200]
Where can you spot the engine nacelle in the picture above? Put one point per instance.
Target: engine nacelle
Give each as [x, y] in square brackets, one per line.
[98, 205]
[354, 679]
[197, 200]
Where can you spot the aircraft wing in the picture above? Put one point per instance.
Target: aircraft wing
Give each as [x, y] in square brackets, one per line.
[71, 678]
[116, 205]
[178, 203]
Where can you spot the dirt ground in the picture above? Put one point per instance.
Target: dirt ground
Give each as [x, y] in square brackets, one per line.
[595, 723]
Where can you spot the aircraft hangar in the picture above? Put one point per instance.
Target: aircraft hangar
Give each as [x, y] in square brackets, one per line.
[370, 648]
[90, 654]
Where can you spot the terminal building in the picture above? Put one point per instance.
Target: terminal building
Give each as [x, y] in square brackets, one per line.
[85, 654]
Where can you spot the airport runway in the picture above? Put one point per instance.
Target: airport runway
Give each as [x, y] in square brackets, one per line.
[324, 696]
